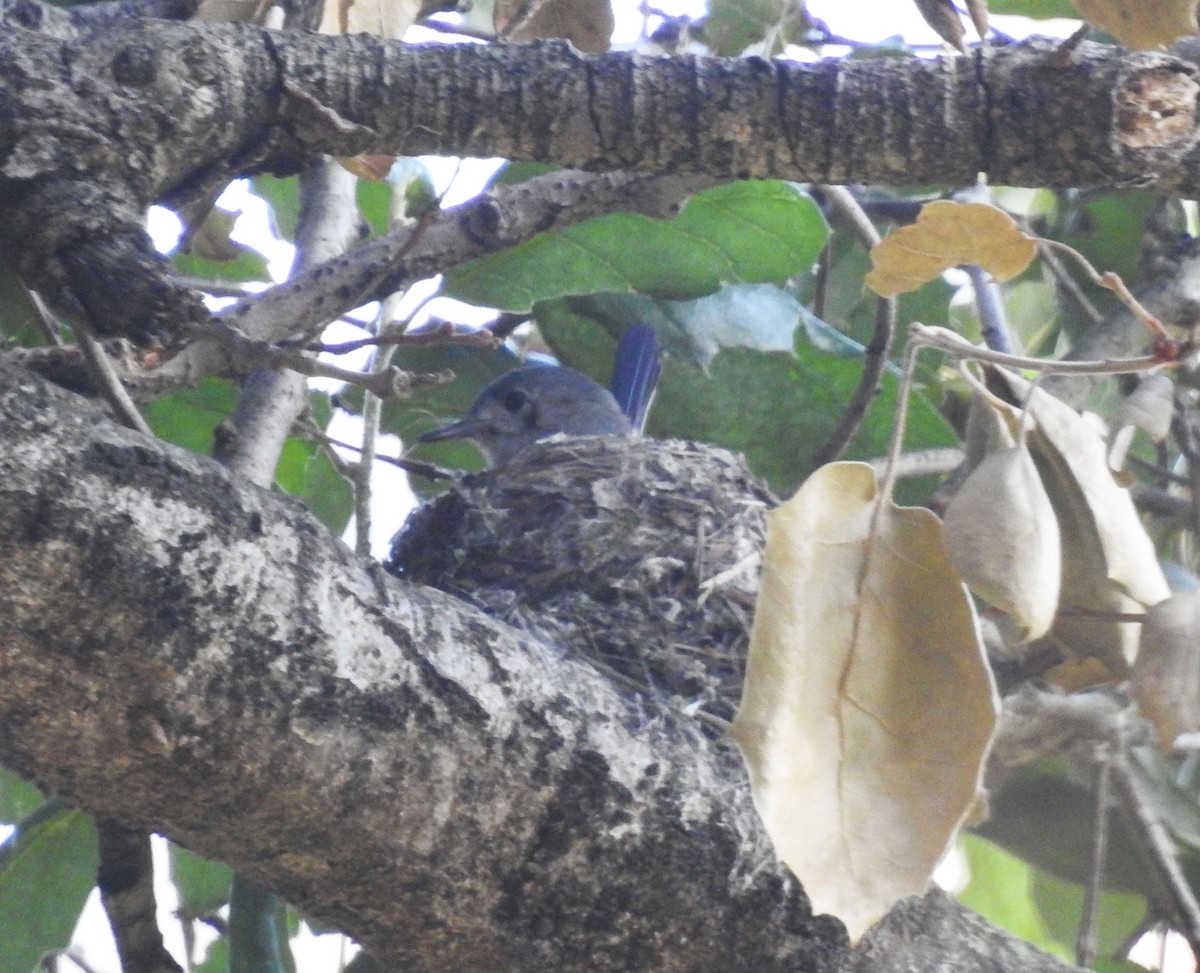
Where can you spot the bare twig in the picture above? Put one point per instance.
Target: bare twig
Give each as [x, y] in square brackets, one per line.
[45, 320]
[937, 461]
[1069, 284]
[880, 345]
[109, 384]
[389, 384]
[954, 344]
[427, 470]
[440, 334]
[1158, 850]
[1085, 942]
[1112, 282]
[993, 321]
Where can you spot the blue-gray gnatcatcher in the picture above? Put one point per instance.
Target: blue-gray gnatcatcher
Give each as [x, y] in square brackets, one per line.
[532, 403]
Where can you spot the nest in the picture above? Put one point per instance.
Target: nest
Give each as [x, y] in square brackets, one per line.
[639, 555]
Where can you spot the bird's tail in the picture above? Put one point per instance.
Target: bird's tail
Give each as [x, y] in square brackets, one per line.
[635, 373]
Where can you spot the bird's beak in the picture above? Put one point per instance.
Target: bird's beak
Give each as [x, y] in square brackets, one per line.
[463, 429]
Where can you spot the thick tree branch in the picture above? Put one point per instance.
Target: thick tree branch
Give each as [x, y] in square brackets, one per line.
[185, 653]
[505, 217]
[159, 111]
[192, 655]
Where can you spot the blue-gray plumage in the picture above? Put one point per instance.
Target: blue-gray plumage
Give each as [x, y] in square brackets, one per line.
[532, 403]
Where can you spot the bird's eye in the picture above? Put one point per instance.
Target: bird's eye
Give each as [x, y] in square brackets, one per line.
[514, 400]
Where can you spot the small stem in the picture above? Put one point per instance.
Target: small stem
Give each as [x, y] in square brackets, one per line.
[1113, 283]
[1085, 942]
[954, 344]
[897, 444]
[109, 383]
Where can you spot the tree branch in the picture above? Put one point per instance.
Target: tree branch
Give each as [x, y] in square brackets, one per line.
[172, 109]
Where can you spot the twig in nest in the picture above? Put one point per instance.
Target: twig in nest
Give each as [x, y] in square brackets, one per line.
[427, 470]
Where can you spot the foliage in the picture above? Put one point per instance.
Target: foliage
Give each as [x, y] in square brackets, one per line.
[757, 291]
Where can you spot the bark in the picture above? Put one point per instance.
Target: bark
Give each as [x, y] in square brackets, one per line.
[138, 112]
[182, 652]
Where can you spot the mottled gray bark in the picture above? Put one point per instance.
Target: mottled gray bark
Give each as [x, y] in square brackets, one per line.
[183, 652]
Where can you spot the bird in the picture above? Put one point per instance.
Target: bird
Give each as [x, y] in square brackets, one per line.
[534, 402]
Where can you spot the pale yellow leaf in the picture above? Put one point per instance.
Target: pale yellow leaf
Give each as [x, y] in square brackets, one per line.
[1109, 564]
[868, 706]
[1166, 676]
[389, 19]
[1141, 24]
[945, 235]
[1002, 537]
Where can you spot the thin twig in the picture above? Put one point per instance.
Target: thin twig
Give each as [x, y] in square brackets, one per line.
[1113, 283]
[390, 384]
[41, 314]
[1069, 284]
[109, 384]
[993, 321]
[427, 470]
[888, 483]
[954, 344]
[440, 334]
[880, 346]
[936, 461]
[1158, 850]
[1085, 942]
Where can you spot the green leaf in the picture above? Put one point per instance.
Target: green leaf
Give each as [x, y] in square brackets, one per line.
[374, 202]
[734, 25]
[1061, 906]
[18, 797]
[1000, 890]
[760, 316]
[18, 320]
[1041, 908]
[203, 885]
[741, 232]
[306, 471]
[216, 960]
[47, 870]
[188, 418]
[283, 196]
[249, 265]
[776, 408]
[258, 931]
[1045, 818]
[1037, 9]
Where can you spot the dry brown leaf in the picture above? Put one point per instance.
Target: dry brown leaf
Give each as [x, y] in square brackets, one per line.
[1109, 564]
[588, 24]
[978, 10]
[1166, 675]
[868, 706]
[374, 168]
[384, 18]
[945, 235]
[1002, 537]
[941, 16]
[1141, 24]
